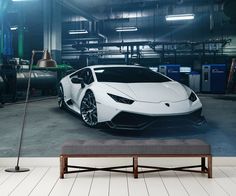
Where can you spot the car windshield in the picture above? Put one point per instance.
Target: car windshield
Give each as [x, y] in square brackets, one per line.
[128, 75]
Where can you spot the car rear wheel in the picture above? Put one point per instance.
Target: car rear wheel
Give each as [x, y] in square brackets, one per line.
[88, 109]
[60, 99]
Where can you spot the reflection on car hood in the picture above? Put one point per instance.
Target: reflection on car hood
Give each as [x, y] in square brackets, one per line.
[152, 92]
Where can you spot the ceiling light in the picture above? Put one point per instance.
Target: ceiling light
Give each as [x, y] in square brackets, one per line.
[126, 29]
[23, 0]
[180, 17]
[13, 28]
[74, 32]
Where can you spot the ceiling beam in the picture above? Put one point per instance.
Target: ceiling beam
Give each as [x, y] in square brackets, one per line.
[78, 46]
[74, 8]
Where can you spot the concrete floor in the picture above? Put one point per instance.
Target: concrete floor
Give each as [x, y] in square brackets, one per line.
[48, 127]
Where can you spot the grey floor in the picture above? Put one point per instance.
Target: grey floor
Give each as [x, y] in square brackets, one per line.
[48, 127]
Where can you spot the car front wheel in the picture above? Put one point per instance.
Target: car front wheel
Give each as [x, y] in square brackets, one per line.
[60, 99]
[88, 109]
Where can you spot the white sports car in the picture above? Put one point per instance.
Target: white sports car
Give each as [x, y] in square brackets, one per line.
[128, 97]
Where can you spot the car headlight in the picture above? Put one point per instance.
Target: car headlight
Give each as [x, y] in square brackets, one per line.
[192, 97]
[121, 99]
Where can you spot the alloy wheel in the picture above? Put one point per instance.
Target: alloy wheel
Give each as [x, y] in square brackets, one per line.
[60, 98]
[89, 109]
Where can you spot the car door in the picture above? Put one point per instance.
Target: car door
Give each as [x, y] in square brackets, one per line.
[77, 90]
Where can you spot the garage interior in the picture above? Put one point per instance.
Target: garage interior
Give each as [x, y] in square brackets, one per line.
[198, 52]
[131, 32]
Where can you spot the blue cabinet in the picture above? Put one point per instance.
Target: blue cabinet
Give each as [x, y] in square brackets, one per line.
[214, 78]
[172, 71]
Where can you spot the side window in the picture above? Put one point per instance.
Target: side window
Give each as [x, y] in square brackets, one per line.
[77, 74]
[87, 76]
[80, 74]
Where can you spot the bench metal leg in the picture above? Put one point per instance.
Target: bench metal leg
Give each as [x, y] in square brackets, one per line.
[135, 166]
[62, 167]
[66, 164]
[203, 164]
[209, 166]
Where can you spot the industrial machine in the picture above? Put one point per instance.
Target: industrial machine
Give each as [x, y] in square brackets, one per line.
[194, 81]
[44, 76]
[190, 78]
[214, 78]
[171, 70]
[41, 80]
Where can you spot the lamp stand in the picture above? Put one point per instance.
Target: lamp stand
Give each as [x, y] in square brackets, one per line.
[17, 168]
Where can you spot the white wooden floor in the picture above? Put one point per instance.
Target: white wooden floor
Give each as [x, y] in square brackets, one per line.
[42, 181]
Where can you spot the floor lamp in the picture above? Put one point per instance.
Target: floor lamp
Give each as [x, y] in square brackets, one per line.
[17, 167]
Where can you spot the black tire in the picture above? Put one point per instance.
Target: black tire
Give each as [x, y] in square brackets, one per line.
[88, 109]
[60, 99]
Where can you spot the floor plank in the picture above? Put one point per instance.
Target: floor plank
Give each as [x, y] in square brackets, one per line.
[44, 181]
[4, 175]
[224, 182]
[155, 184]
[82, 184]
[118, 184]
[173, 184]
[210, 185]
[137, 186]
[63, 186]
[230, 172]
[12, 182]
[192, 186]
[30, 182]
[47, 183]
[100, 184]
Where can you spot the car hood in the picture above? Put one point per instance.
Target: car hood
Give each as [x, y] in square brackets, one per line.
[152, 92]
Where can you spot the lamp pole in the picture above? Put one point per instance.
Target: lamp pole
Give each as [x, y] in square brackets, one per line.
[17, 167]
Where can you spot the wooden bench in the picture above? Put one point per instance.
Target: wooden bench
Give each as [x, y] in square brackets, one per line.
[135, 149]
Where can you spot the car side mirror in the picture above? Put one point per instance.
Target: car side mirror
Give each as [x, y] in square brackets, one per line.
[78, 81]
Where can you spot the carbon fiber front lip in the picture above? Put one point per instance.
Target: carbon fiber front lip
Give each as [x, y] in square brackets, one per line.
[125, 120]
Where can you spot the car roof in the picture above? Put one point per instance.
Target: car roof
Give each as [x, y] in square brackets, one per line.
[104, 66]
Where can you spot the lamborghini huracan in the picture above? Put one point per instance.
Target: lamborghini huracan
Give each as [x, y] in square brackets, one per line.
[128, 97]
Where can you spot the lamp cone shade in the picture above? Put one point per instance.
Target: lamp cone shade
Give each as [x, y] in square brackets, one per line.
[46, 60]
